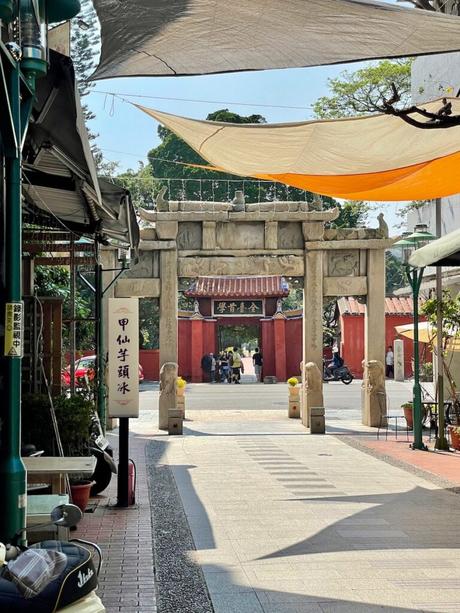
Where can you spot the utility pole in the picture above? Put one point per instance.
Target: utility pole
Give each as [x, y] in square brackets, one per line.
[441, 441]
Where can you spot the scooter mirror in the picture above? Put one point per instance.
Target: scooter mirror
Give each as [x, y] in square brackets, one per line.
[67, 515]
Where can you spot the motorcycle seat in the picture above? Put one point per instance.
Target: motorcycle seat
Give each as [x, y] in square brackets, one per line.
[78, 579]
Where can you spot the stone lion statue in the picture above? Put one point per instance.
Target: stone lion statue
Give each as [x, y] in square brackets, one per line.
[375, 376]
[168, 378]
[313, 378]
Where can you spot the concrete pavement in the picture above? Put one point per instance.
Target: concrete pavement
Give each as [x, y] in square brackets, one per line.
[252, 514]
[283, 521]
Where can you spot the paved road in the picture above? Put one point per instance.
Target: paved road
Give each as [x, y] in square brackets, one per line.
[342, 402]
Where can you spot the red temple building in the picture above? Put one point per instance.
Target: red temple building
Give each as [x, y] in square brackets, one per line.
[232, 311]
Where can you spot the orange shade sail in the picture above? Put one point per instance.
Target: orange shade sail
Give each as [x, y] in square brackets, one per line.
[376, 157]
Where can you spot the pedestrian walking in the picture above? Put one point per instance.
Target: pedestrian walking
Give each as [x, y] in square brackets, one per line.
[206, 363]
[213, 367]
[237, 366]
[257, 360]
[390, 363]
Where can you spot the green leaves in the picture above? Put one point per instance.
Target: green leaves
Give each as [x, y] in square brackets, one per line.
[363, 91]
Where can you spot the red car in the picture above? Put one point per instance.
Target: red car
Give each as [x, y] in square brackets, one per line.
[86, 366]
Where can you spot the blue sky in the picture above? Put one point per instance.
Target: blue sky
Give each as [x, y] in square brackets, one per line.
[126, 134]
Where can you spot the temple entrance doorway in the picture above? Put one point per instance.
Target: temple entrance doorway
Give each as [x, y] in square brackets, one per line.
[244, 336]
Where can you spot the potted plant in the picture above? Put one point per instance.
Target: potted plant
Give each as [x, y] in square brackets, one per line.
[293, 383]
[180, 386]
[455, 437]
[408, 407]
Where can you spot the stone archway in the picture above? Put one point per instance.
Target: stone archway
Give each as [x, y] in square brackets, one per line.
[192, 239]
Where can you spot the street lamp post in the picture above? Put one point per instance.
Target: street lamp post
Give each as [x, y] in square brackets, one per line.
[408, 244]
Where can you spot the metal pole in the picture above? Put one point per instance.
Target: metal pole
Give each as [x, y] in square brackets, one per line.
[441, 441]
[123, 460]
[415, 277]
[12, 470]
[72, 315]
[100, 360]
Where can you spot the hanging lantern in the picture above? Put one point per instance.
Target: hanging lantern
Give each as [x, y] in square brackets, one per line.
[34, 36]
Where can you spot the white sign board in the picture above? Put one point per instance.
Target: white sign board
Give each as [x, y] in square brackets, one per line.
[123, 364]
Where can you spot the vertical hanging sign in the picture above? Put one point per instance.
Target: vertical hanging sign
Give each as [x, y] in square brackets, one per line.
[123, 362]
[14, 326]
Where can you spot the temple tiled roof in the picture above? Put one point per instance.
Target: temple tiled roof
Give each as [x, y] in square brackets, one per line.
[393, 306]
[239, 287]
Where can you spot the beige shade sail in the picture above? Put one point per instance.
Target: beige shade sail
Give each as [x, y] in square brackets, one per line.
[378, 157]
[188, 37]
[426, 331]
[427, 334]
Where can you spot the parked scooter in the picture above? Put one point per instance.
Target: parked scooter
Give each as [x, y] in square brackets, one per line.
[101, 449]
[341, 373]
[71, 590]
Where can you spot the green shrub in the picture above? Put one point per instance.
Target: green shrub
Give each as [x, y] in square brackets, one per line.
[426, 372]
[73, 416]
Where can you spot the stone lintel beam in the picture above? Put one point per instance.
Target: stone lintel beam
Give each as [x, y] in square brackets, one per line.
[287, 265]
[156, 245]
[373, 243]
[240, 252]
[344, 286]
[329, 215]
[158, 216]
[137, 288]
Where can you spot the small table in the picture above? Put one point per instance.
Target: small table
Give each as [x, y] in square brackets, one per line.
[50, 469]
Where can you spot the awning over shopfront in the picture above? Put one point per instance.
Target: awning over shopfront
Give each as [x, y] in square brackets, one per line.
[188, 37]
[60, 180]
[444, 251]
[377, 157]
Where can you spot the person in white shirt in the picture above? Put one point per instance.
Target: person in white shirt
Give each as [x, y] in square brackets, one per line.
[390, 363]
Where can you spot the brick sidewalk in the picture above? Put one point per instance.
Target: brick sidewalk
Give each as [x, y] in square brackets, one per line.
[126, 582]
[441, 464]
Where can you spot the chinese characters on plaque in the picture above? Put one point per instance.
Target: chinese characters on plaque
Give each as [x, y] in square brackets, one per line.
[14, 344]
[123, 364]
[234, 308]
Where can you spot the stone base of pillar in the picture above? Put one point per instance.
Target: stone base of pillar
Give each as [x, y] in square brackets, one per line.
[374, 395]
[294, 407]
[312, 399]
[312, 391]
[168, 379]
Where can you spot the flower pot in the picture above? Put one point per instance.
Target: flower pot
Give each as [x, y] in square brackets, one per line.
[409, 416]
[293, 390]
[454, 438]
[80, 494]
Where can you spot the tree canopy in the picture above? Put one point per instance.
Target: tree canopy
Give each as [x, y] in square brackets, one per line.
[363, 91]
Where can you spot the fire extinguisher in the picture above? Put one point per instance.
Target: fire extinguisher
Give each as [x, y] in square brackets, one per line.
[132, 474]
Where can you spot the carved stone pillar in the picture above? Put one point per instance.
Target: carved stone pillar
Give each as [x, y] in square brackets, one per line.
[313, 323]
[374, 336]
[168, 324]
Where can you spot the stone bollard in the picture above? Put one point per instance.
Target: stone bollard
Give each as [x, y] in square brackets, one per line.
[317, 420]
[175, 420]
[294, 401]
[180, 404]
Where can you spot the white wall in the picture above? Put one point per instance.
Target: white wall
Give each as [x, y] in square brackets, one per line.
[432, 77]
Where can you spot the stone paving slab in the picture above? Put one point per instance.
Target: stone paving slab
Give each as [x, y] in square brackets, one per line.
[284, 521]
